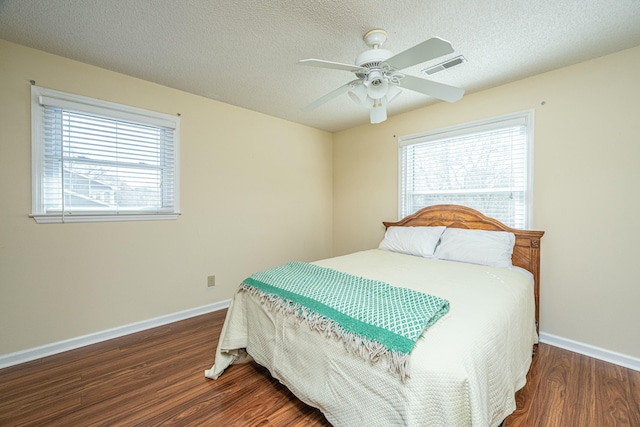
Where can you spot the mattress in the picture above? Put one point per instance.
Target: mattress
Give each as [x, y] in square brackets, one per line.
[464, 370]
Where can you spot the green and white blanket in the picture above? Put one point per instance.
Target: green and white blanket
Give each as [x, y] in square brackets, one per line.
[372, 318]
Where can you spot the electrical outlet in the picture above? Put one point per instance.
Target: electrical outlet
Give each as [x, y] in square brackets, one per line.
[211, 281]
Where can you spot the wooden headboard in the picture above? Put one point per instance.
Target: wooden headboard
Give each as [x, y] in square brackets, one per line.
[526, 252]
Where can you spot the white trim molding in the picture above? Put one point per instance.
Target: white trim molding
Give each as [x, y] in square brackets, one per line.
[27, 355]
[57, 219]
[591, 351]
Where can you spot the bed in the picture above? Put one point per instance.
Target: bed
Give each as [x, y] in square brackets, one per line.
[464, 368]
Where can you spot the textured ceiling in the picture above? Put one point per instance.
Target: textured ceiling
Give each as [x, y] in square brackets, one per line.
[244, 52]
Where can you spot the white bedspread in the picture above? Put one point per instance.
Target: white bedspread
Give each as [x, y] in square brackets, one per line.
[464, 371]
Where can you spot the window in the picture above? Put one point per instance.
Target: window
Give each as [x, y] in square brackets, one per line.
[485, 165]
[98, 161]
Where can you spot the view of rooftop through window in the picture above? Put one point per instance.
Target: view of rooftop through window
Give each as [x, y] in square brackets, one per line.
[105, 163]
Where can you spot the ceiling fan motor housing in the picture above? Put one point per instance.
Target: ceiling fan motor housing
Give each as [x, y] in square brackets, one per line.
[373, 57]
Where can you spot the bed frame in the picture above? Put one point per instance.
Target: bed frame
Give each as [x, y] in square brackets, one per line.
[526, 252]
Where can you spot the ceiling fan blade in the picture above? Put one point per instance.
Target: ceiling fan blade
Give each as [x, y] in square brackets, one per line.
[431, 88]
[333, 65]
[328, 97]
[425, 51]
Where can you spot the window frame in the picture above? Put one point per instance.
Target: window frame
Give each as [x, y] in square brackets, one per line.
[101, 108]
[469, 128]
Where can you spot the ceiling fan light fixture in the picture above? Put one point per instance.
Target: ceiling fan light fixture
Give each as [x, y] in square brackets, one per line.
[378, 84]
[392, 93]
[379, 90]
[378, 113]
[359, 94]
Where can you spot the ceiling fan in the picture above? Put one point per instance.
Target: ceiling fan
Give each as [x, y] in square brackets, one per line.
[379, 77]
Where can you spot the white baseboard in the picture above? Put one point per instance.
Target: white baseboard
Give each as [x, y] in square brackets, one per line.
[591, 351]
[73, 343]
[70, 344]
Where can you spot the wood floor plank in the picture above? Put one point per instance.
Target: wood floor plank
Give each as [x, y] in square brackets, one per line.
[62, 397]
[612, 395]
[156, 377]
[580, 404]
[524, 397]
[634, 401]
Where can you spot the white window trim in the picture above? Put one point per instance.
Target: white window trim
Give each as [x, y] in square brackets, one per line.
[475, 126]
[100, 107]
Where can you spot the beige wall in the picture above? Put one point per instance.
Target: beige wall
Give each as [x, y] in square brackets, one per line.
[256, 191]
[586, 189]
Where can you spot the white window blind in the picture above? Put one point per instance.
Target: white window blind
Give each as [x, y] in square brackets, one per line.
[97, 161]
[485, 165]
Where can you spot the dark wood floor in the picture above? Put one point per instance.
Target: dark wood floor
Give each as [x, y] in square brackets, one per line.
[156, 378]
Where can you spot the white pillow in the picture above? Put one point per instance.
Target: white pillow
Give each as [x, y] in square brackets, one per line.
[418, 241]
[492, 248]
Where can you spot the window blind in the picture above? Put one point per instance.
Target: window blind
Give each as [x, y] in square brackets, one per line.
[485, 165]
[103, 160]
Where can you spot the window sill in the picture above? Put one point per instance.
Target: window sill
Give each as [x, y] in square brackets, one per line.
[56, 218]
